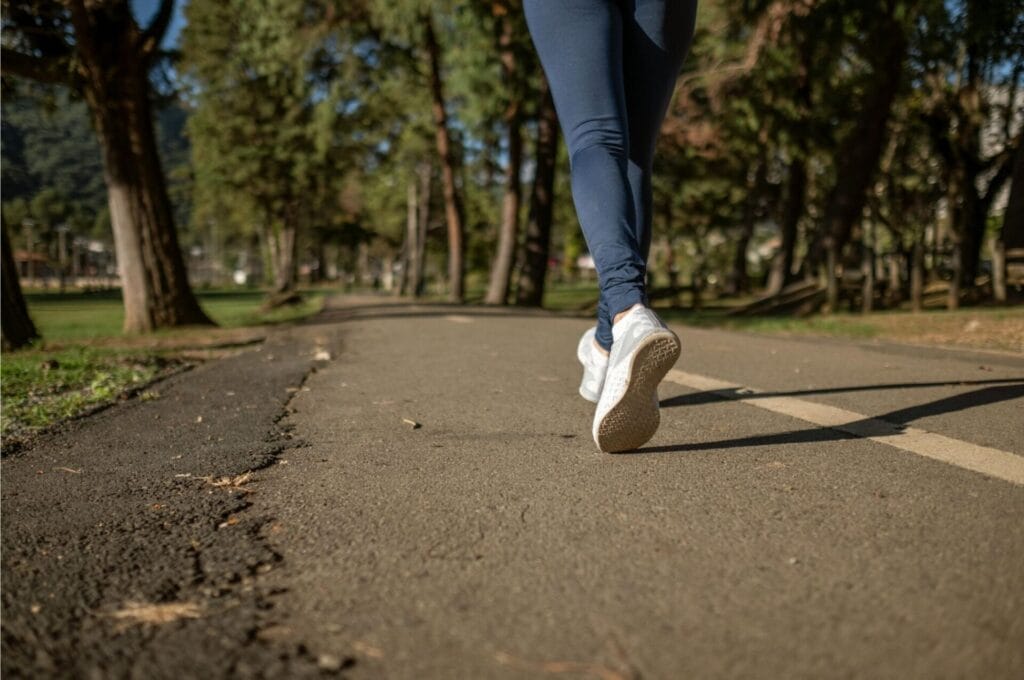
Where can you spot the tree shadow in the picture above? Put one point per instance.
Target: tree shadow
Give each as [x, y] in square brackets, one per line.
[711, 396]
[886, 424]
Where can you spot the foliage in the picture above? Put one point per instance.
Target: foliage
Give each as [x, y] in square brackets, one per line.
[319, 114]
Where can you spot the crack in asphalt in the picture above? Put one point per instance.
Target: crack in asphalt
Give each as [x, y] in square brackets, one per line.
[143, 533]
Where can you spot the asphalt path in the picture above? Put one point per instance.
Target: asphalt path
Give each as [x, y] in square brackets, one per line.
[426, 501]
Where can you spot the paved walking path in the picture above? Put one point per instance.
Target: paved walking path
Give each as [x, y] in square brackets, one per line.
[432, 505]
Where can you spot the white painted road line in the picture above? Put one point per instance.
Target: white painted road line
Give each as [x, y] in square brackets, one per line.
[988, 461]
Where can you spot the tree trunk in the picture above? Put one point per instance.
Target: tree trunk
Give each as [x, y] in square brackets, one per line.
[16, 325]
[972, 234]
[831, 279]
[895, 276]
[859, 153]
[501, 268]
[423, 218]
[1012, 232]
[1011, 235]
[321, 260]
[969, 227]
[533, 276]
[508, 235]
[782, 264]
[452, 199]
[917, 275]
[998, 271]
[282, 248]
[867, 268]
[387, 272]
[266, 257]
[957, 265]
[739, 280]
[116, 87]
[411, 233]
[363, 274]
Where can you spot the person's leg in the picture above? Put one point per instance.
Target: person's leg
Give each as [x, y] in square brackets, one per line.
[656, 38]
[579, 43]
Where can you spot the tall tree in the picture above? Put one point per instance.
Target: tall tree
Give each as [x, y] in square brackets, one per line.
[537, 247]
[859, 152]
[99, 51]
[511, 34]
[267, 126]
[17, 327]
[972, 65]
[449, 164]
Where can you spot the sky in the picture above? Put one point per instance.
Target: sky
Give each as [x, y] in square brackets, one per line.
[145, 9]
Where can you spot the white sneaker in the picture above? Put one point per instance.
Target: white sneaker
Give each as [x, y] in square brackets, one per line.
[643, 351]
[595, 365]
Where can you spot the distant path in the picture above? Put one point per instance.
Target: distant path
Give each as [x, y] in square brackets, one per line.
[436, 508]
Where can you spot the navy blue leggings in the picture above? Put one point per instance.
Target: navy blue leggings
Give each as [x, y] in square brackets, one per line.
[612, 67]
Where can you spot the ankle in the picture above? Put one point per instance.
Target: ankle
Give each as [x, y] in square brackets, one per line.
[603, 352]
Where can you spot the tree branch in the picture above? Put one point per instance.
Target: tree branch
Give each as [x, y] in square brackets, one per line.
[44, 70]
[154, 34]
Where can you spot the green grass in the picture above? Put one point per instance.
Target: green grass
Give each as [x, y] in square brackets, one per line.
[990, 328]
[83, 316]
[69, 373]
[40, 387]
[840, 325]
[571, 297]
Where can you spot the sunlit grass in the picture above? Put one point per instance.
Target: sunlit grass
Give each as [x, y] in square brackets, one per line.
[82, 316]
[41, 386]
[571, 296]
[84, 359]
[990, 328]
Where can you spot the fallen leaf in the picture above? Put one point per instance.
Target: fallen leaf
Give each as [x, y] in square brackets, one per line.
[142, 613]
[236, 482]
[230, 521]
[329, 662]
[366, 649]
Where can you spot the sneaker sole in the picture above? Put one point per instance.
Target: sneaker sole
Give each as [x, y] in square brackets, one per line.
[634, 419]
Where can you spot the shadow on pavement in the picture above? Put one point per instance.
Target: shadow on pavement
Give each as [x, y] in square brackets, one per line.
[889, 423]
[698, 398]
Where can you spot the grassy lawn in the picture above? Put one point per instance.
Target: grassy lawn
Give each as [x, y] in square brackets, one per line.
[39, 387]
[88, 316]
[85, 361]
[987, 328]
